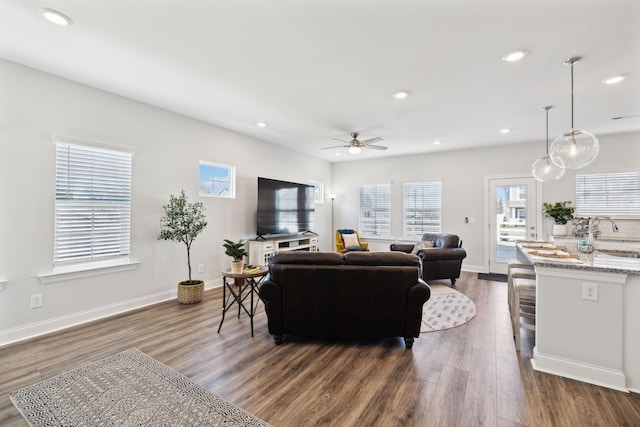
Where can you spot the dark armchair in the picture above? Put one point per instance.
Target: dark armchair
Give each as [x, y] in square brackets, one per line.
[441, 261]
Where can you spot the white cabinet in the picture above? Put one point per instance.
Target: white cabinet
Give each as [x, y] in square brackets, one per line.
[261, 250]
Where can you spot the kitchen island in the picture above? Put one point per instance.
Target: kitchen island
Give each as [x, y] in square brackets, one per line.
[587, 316]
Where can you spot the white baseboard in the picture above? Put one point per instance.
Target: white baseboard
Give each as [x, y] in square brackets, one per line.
[597, 375]
[32, 330]
[474, 268]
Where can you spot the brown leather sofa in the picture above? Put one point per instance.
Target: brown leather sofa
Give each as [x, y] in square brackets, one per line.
[442, 261]
[363, 294]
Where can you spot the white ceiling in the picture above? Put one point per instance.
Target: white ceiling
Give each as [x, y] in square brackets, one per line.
[319, 69]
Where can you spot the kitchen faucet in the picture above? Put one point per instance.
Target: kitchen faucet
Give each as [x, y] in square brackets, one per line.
[614, 227]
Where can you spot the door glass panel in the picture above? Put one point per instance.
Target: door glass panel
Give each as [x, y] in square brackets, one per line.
[511, 220]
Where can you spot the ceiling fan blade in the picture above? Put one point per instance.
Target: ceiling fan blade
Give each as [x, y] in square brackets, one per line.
[377, 147]
[335, 146]
[369, 141]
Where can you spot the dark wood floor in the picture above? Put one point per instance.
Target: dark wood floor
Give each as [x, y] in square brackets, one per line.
[467, 376]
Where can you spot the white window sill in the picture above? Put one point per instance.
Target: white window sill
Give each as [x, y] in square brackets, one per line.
[79, 271]
[382, 239]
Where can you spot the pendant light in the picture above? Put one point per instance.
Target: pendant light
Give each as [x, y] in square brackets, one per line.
[544, 169]
[575, 148]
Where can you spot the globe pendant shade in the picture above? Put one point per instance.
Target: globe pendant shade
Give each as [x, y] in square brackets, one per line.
[575, 149]
[545, 170]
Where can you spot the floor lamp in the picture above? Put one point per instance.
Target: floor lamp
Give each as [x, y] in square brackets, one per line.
[332, 196]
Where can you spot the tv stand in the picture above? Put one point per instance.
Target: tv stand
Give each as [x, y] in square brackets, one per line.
[261, 249]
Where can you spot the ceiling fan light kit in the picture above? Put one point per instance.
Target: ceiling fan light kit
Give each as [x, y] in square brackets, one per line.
[575, 148]
[544, 169]
[355, 146]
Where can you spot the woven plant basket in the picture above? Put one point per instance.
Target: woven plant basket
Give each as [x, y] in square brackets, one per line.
[190, 294]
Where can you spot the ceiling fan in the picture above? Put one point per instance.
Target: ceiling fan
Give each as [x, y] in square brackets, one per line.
[355, 145]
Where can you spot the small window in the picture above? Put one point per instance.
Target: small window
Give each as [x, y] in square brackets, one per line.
[216, 180]
[375, 210]
[613, 194]
[93, 202]
[422, 212]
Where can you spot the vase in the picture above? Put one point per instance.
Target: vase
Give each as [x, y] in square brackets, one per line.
[560, 230]
[190, 292]
[236, 267]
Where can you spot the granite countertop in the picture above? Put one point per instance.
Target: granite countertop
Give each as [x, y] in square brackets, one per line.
[595, 261]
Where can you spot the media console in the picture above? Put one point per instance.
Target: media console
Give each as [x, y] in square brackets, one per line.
[261, 250]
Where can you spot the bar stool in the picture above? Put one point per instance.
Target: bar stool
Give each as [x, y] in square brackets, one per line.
[524, 297]
[516, 269]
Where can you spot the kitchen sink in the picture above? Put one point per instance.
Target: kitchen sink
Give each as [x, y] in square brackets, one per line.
[619, 253]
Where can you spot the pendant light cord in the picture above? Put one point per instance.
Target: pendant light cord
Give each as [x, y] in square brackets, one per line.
[572, 96]
[546, 109]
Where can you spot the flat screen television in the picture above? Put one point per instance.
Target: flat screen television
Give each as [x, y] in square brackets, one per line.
[284, 207]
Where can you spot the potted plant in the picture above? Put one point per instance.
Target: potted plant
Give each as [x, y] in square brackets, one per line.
[182, 222]
[561, 214]
[236, 251]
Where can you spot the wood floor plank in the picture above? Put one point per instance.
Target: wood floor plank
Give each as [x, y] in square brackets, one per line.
[469, 375]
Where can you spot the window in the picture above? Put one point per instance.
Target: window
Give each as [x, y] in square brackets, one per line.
[613, 194]
[422, 208]
[93, 202]
[375, 210]
[216, 180]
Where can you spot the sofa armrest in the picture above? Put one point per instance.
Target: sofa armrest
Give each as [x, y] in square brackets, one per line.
[271, 294]
[402, 247]
[418, 295]
[439, 254]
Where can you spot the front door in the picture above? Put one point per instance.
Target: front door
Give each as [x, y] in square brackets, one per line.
[512, 217]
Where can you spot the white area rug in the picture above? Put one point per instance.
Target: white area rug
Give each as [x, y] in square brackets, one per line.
[126, 389]
[447, 308]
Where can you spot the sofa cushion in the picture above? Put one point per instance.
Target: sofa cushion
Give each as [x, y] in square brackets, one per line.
[309, 258]
[381, 259]
[442, 240]
[421, 245]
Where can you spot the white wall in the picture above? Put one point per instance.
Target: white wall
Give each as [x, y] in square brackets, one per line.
[35, 105]
[463, 176]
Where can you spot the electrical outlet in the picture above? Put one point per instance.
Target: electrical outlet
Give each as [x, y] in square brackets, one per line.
[36, 301]
[590, 291]
[200, 268]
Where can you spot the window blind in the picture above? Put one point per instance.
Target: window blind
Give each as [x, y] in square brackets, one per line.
[422, 203]
[93, 203]
[612, 194]
[375, 210]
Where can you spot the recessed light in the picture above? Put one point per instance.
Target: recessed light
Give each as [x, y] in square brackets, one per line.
[56, 17]
[505, 130]
[515, 56]
[402, 94]
[615, 79]
[261, 124]
[437, 142]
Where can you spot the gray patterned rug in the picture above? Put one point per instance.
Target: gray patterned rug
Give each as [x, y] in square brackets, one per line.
[447, 308]
[126, 389]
